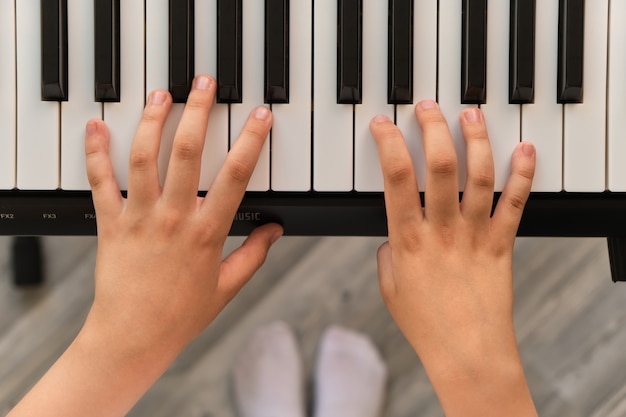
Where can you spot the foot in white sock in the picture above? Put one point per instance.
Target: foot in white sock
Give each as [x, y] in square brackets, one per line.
[350, 376]
[268, 379]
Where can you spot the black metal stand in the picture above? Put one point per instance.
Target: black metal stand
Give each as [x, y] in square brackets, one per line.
[27, 261]
[617, 258]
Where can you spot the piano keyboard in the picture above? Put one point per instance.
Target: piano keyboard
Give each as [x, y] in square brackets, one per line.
[549, 72]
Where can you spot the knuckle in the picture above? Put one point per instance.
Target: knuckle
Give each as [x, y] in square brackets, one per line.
[516, 202]
[447, 235]
[93, 160]
[186, 148]
[240, 171]
[399, 173]
[483, 180]
[526, 172]
[442, 165]
[97, 174]
[140, 160]
[409, 239]
[210, 236]
[474, 131]
[171, 219]
[96, 181]
[94, 151]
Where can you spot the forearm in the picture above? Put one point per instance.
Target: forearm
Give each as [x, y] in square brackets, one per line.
[94, 377]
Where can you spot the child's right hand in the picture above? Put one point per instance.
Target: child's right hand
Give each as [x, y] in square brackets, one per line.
[446, 272]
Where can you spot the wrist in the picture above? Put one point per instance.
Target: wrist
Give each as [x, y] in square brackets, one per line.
[127, 343]
[123, 349]
[487, 385]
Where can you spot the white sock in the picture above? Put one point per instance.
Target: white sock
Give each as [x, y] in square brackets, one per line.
[350, 376]
[268, 379]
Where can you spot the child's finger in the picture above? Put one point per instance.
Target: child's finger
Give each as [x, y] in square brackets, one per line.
[106, 194]
[144, 187]
[226, 193]
[442, 181]
[402, 200]
[183, 173]
[478, 194]
[510, 208]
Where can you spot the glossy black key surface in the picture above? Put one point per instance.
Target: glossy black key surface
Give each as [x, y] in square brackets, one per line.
[181, 58]
[474, 52]
[522, 52]
[400, 83]
[350, 52]
[54, 50]
[571, 51]
[107, 50]
[229, 44]
[277, 51]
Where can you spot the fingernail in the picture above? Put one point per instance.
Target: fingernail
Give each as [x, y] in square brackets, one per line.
[92, 128]
[528, 149]
[428, 104]
[262, 113]
[472, 115]
[381, 118]
[202, 82]
[157, 97]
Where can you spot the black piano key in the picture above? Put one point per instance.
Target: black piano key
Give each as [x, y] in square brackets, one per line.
[350, 52]
[400, 83]
[522, 52]
[54, 50]
[229, 44]
[474, 52]
[181, 58]
[277, 51]
[107, 50]
[571, 51]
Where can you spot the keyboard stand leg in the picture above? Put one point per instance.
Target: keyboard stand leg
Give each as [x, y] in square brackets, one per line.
[617, 258]
[27, 261]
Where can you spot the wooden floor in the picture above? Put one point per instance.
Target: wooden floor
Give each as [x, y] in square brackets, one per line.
[570, 319]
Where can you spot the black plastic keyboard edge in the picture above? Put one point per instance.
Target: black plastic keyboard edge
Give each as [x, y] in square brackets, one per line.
[347, 214]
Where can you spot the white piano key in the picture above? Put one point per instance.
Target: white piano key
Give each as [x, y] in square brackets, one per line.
[332, 124]
[37, 121]
[80, 106]
[424, 82]
[617, 98]
[585, 123]
[503, 119]
[542, 121]
[7, 94]
[157, 73]
[216, 143]
[368, 175]
[449, 94]
[253, 59]
[123, 117]
[291, 132]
